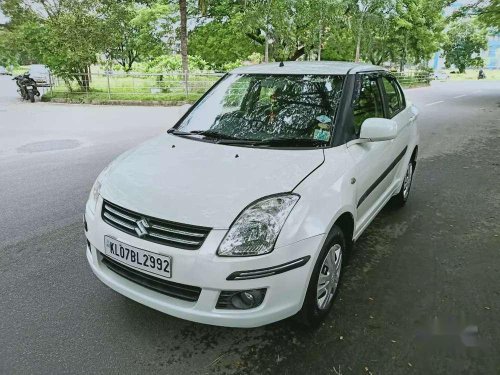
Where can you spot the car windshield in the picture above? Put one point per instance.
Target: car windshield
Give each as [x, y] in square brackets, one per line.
[288, 110]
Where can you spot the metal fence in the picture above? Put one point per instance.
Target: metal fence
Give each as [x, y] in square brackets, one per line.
[139, 86]
[413, 78]
[167, 86]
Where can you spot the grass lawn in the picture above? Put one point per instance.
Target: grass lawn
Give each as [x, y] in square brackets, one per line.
[103, 98]
[472, 74]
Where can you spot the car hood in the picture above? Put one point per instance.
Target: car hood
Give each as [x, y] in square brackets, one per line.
[202, 183]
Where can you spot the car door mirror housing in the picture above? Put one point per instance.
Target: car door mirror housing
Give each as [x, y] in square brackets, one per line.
[378, 129]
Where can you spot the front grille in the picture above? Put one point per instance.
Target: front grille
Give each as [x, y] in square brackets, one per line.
[165, 232]
[169, 288]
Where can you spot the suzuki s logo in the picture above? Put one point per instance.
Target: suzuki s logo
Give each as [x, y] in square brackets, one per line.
[141, 228]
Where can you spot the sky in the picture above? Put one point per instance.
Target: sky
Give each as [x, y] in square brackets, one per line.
[3, 19]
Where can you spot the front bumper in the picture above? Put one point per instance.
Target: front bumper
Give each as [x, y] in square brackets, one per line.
[203, 268]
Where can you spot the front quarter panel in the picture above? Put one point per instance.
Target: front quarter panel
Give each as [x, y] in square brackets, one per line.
[324, 195]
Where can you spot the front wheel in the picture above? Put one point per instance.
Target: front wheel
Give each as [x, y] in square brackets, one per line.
[325, 279]
[31, 96]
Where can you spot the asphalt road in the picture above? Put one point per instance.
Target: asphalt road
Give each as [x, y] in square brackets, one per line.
[420, 295]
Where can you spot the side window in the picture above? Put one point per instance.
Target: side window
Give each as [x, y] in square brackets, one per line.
[395, 98]
[367, 102]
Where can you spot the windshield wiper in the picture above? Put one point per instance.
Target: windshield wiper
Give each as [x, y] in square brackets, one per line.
[204, 133]
[177, 132]
[270, 142]
[212, 134]
[291, 142]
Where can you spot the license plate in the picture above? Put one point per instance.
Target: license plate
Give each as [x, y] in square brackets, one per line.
[29, 87]
[138, 258]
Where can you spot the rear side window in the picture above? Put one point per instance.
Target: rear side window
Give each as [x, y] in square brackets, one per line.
[395, 99]
[367, 102]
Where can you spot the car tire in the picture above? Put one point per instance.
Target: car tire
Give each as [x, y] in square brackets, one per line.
[316, 306]
[404, 193]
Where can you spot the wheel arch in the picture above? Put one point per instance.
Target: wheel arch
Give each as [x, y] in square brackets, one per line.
[346, 223]
[413, 157]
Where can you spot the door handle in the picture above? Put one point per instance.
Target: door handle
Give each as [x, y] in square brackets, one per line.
[412, 118]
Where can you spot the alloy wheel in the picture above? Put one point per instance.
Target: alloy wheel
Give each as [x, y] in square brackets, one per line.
[407, 181]
[329, 276]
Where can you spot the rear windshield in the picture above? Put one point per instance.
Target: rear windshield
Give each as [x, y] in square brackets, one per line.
[38, 69]
[267, 108]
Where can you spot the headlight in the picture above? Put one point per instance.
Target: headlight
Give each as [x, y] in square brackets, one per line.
[94, 195]
[256, 229]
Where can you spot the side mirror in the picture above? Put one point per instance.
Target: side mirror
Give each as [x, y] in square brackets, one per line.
[378, 129]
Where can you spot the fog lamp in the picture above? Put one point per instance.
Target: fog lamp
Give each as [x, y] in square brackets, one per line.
[241, 299]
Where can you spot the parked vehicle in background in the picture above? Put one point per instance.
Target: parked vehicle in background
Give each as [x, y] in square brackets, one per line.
[27, 87]
[243, 213]
[41, 74]
[481, 74]
[440, 75]
[4, 71]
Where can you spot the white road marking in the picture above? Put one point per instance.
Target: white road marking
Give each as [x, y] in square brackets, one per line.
[459, 96]
[440, 101]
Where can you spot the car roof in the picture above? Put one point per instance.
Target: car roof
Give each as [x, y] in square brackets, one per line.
[307, 67]
[38, 66]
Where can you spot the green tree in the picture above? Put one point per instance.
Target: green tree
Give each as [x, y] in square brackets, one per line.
[487, 12]
[401, 31]
[418, 29]
[220, 42]
[64, 35]
[135, 31]
[464, 41]
[8, 54]
[292, 29]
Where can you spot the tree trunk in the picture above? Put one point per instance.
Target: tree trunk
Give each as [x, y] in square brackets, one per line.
[319, 44]
[358, 49]
[83, 81]
[358, 41]
[184, 43]
[298, 53]
[183, 35]
[266, 49]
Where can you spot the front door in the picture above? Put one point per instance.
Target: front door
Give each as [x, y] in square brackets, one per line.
[372, 159]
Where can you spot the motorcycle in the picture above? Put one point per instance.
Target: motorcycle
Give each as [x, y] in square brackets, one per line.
[481, 74]
[28, 88]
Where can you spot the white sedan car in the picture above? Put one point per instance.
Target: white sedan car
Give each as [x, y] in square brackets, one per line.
[41, 74]
[243, 213]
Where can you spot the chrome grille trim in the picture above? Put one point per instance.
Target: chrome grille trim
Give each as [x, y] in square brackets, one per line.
[118, 221]
[167, 238]
[121, 214]
[152, 229]
[181, 232]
